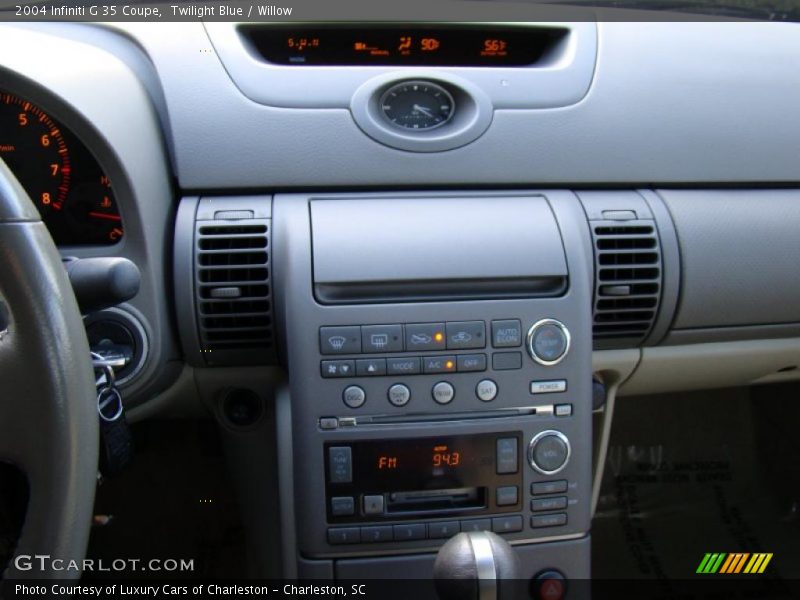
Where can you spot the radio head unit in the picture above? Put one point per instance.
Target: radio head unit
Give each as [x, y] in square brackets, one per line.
[423, 477]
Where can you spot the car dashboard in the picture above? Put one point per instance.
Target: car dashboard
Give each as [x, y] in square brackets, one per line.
[397, 264]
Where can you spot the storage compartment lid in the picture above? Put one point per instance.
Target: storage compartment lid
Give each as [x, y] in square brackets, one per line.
[439, 248]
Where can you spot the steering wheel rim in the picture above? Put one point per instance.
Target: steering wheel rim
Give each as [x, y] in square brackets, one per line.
[48, 418]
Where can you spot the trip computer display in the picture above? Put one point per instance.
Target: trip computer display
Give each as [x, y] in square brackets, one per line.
[427, 46]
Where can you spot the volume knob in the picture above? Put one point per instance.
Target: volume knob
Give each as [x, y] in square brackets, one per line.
[549, 452]
[548, 342]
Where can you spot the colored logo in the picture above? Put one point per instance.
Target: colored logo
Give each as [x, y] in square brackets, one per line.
[735, 563]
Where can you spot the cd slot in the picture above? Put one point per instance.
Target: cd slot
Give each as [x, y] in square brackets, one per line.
[436, 502]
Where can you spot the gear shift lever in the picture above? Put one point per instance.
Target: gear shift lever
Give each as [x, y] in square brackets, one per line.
[478, 565]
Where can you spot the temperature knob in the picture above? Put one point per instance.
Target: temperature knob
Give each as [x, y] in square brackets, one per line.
[549, 452]
[548, 342]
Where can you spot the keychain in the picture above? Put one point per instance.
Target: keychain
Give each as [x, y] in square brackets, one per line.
[116, 443]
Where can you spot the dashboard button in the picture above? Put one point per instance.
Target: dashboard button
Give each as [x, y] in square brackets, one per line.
[337, 368]
[476, 525]
[328, 423]
[381, 338]
[425, 336]
[368, 367]
[354, 396]
[506, 361]
[548, 342]
[344, 535]
[545, 504]
[555, 386]
[507, 495]
[403, 366]
[340, 340]
[343, 506]
[439, 364]
[443, 392]
[486, 390]
[377, 533]
[507, 333]
[340, 464]
[465, 335]
[443, 529]
[549, 452]
[409, 531]
[399, 394]
[508, 524]
[553, 520]
[507, 459]
[373, 504]
[466, 363]
[563, 410]
[549, 487]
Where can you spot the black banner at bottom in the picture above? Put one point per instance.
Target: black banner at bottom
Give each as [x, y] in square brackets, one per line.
[701, 588]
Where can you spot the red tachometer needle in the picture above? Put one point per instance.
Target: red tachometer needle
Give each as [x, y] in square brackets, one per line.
[99, 215]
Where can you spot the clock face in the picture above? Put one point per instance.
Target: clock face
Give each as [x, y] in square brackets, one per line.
[417, 105]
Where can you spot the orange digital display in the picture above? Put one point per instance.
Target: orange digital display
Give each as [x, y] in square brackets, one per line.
[387, 462]
[443, 457]
[508, 46]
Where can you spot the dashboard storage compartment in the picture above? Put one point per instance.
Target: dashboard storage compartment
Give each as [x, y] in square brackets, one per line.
[396, 249]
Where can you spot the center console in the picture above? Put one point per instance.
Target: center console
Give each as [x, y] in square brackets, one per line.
[439, 354]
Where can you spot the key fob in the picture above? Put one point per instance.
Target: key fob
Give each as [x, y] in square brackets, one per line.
[116, 442]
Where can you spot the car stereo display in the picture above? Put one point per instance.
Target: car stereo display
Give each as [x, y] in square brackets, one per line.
[425, 46]
[418, 477]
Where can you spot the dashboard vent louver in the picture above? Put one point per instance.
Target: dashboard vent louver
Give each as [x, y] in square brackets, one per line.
[628, 277]
[232, 290]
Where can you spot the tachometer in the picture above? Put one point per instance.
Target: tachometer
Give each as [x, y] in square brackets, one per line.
[68, 186]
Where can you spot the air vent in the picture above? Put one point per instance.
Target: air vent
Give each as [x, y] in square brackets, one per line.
[223, 285]
[234, 311]
[628, 276]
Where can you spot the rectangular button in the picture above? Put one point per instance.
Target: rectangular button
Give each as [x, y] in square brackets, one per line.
[507, 456]
[509, 524]
[403, 366]
[507, 333]
[340, 464]
[563, 410]
[549, 487]
[381, 338]
[373, 504]
[340, 340]
[544, 504]
[337, 368]
[464, 335]
[377, 533]
[344, 535]
[549, 387]
[553, 520]
[443, 529]
[366, 367]
[343, 506]
[506, 361]
[507, 495]
[476, 525]
[471, 362]
[328, 423]
[425, 336]
[409, 531]
[438, 364]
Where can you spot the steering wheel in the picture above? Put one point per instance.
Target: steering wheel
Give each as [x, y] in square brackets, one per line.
[48, 410]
